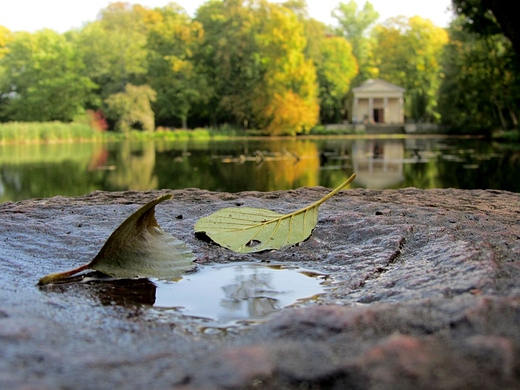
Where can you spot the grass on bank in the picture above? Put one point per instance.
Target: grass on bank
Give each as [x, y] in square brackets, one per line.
[30, 132]
[54, 132]
[50, 132]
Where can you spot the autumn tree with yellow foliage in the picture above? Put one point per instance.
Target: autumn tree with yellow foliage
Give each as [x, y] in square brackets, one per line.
[254, 54]
[287, 94]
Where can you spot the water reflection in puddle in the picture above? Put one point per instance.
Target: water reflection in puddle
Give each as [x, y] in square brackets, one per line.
[212, 298]
[237, 292]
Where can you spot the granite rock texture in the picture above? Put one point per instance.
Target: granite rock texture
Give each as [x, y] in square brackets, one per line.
[424, 293]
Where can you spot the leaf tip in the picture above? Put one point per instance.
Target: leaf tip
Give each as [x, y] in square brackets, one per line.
[53, 278]
[164, 197]
[48, 279]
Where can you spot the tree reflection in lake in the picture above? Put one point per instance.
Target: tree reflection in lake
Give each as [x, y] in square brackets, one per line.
[134, 167]
[32, 171]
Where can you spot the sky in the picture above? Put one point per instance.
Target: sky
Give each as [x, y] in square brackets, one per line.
[63, 15]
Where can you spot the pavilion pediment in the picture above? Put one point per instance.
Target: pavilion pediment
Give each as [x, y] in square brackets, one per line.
[378, 86]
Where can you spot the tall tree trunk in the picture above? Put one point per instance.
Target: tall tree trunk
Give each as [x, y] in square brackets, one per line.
[503, 121]
[513, 117]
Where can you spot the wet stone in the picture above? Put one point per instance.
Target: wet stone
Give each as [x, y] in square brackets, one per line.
[423, 292]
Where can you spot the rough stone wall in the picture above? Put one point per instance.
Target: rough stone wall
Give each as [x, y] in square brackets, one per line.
[424, 293]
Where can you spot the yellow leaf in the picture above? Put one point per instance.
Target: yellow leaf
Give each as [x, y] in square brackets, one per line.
[247, 230]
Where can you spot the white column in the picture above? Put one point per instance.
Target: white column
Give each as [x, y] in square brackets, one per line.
[385, 106]
[355, 116]
[371, 110]
[401, 110]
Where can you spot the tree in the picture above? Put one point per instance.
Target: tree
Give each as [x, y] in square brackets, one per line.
[337, 69]
[407, 53]
[173, 38]
[355, 26]
[487, 17]
[114, 47]
[229, 55]
[484, 21]
[480, 90]
[286, 102]
[5, 37]
[254, 53]
[43, 78]
[132, 108]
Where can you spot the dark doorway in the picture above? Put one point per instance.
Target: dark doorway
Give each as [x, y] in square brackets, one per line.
[379, 115]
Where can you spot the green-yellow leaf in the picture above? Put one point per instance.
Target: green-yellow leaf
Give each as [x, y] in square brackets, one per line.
[137, 248]
[247, 230]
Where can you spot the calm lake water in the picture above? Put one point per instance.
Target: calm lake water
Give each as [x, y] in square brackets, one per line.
[36, 171]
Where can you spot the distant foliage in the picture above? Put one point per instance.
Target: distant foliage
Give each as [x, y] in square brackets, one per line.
[290, 114]
[5, 37]
[355, 25]
[407, 53]
[336, 71]
[289, 102]
[173, 71]
[97, 120]
[132, 109]
[43, 79]
[481, 88]
[113, 48]
[258, 66]
[254, 55]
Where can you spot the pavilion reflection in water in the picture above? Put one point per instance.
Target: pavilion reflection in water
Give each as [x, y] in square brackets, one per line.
[378, 163]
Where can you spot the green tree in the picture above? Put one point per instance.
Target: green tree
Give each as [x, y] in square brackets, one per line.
[43, 78]
[488, 17]
[132, 108]
[355, 27]
[5, 38]
[337, 69]
[480, 90]
[173, 38]
[229, 55]
[407, 53]
[114, 47]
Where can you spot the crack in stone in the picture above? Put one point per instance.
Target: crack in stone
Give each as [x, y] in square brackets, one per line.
[392, 259]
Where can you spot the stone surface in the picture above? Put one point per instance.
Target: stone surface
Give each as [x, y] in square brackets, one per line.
[424, 292]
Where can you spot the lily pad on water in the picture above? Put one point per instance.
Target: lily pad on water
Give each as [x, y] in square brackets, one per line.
[137, 248]
[247, 230]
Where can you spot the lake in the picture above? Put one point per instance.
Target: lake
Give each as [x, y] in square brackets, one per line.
[45, 170]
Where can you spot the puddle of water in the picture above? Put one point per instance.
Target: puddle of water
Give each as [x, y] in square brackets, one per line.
[232, 293]
[213, 297]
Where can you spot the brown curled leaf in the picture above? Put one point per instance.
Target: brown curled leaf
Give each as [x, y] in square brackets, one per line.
[137, 248]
